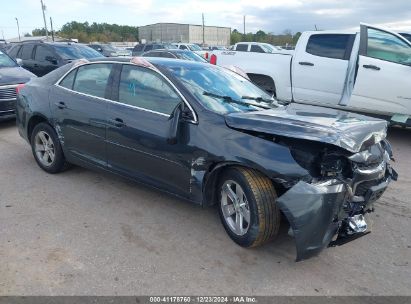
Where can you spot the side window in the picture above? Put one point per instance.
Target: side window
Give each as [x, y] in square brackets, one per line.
[167, 55]
[67, 82]
[329, 45]
[256, 49]
[183, 47]
[143, 88]
[385, 46]
[42, 52]
[149, 47]
[14, 51]
[139, 47]
[26, 51]
[242, 47]
[92, 79]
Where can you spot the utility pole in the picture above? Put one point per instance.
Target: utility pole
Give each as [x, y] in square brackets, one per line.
[18, 27]
[203, 30]
[51, 28]
[43, 8]
[244, 24]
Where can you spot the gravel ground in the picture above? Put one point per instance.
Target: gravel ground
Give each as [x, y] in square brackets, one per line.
[87, 233]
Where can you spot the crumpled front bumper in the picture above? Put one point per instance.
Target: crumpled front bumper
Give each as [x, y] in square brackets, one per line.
[316, 212]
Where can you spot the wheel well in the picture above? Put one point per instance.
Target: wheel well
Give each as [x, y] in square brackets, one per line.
[33, 122]
[263, 81]
[212, 178]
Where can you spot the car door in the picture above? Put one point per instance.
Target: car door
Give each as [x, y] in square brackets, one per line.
[45, 60]
[26, 55]
[138, 129]
[382, 85]
[319, 70]
[79, 107]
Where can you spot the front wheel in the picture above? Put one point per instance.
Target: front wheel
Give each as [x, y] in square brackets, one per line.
[46, 149]
[248, 207]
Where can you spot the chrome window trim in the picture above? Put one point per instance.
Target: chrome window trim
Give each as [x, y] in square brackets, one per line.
[194, 121]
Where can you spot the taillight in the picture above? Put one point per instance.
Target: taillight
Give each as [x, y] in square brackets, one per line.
[213, 59]
[206, 55]
[19, 87]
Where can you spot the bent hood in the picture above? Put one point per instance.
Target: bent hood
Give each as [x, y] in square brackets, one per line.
[349, 131]
[14, 75]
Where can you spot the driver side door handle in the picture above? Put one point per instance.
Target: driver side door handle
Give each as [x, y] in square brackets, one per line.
[372, 67]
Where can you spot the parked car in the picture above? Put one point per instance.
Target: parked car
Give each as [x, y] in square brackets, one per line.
[256, 47]
[105, 49]
[40, 57]
[406, 36]
[211, 136]
[139, 49]
[11, 76]
[177, 54]
[366, 72]
[192, 47]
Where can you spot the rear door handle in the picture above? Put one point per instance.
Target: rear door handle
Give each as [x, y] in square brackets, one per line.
[306, 63]
[61, 105]
[372, 67]
[36, 65]
[117, 122]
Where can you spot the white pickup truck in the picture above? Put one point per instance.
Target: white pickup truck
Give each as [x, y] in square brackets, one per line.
[367, 72]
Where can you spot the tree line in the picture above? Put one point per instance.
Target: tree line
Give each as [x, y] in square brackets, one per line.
[105, 32]
[86, 32]
[260, 36]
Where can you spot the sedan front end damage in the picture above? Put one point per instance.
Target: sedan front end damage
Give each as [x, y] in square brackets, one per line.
[334, 208]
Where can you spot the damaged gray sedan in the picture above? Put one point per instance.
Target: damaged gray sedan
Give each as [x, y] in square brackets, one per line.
[210, 136]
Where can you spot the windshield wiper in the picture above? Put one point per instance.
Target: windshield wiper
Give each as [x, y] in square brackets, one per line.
[261, 99]
[229, 99]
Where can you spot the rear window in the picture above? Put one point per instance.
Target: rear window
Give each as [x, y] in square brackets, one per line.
[242, 47]
[337, 46]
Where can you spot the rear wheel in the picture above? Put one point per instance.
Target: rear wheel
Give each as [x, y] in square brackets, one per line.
[247, 208]
[46, 149]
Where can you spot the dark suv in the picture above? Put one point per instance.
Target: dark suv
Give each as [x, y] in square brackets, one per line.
[41, 57]
[142, 48]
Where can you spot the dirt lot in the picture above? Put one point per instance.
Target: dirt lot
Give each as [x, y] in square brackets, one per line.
[87, 233]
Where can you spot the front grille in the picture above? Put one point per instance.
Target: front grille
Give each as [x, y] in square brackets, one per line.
[8, 92]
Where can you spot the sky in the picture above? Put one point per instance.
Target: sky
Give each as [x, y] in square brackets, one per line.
[268, 15]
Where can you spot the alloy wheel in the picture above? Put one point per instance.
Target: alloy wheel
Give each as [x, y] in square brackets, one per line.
[235, 207]
[44, 148]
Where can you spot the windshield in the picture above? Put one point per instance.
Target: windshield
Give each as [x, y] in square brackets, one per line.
[170, 47]
[76, 52]
[194, 47]
[108, 47]
[269, 48]
[406, 36]
[221, 90]
[6, 61]
[190, 56]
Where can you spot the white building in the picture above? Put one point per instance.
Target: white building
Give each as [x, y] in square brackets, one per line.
[185, 33]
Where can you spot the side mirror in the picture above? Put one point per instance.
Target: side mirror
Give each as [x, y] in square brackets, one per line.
[19, 61]
[174, 123]
[51, 59]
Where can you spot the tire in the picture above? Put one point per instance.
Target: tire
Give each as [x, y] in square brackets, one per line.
[44, 142]
[260, 196]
